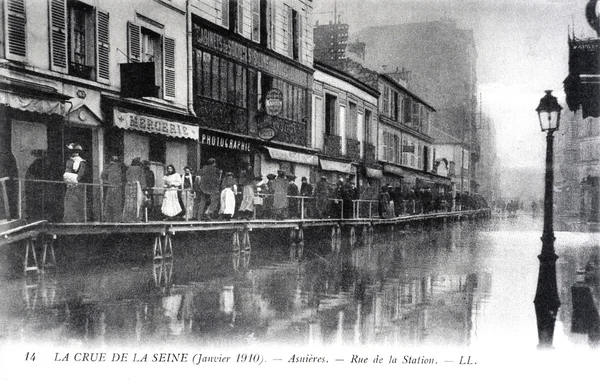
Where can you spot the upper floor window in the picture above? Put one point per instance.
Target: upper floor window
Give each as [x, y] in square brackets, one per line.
[395, 106]
[147, 44]
[292, 26]
[407, 110]
[386, 100]
[232, 15]
[352, 124]
[79, 40]
[330, 115]
[368, 126]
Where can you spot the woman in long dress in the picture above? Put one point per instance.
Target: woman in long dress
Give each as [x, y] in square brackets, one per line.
[228, 197]
[75, 193]
[246, 209]
[170, 205]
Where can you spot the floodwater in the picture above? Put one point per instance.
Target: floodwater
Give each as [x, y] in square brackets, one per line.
[464, 284]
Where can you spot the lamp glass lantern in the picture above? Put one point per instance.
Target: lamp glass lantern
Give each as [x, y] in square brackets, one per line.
[549, 112]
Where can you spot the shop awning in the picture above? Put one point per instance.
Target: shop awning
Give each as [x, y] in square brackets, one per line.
[391, 169]
[374, 173]
[335, 166]
[143, 123]
[301, 158]
[32, 104]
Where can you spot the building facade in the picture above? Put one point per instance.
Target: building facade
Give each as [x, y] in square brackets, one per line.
[242, 51]
[345, 128]
[62, 82]
[405, 146]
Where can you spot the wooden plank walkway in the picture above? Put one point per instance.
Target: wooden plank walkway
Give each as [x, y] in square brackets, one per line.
[164, 231]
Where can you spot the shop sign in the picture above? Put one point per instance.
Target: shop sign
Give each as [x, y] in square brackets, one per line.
[130, 120]
[274, 102]
[408, 149]
[224, 142]
[266, 133]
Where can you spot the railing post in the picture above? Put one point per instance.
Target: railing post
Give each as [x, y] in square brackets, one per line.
[20, 199]
[370, 209]
[85, 202]
[302, 208]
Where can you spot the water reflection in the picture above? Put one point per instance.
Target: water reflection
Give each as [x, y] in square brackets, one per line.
[420, 286]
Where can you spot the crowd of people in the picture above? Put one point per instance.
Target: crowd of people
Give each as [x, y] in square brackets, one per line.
[212, 194]
[133, 194]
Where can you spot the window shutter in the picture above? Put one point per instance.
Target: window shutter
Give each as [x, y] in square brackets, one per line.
[286, 28]
[102, 47]
[16, 33]
[134, 46]
[58, 36]
[225, 13]
[300, 40]
[290, 32]
[240, 16]
[256, 27]
[169, 68]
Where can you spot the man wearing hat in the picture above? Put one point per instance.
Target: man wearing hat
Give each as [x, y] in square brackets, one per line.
[280, 200]
[293, 191]
[74, 195]
[208, 190]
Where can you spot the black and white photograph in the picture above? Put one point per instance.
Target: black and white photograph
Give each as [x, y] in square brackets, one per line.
[294, 188]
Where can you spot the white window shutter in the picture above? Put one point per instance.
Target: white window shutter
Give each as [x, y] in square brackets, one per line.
[102, 47]
[16, 33]
[240, 16]
[169, 68]
[134, 45]
[58, 36]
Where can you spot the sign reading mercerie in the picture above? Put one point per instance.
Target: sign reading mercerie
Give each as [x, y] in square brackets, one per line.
[274, 102]
[130, 120]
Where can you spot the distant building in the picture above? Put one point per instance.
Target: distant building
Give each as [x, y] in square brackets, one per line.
[331, 42]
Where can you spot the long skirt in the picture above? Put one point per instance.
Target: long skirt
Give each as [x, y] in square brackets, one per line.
[247, 199]
[133, 202]
[113, 204]
[74, 204]
[170, 206]
[188, 202]
[227, 202]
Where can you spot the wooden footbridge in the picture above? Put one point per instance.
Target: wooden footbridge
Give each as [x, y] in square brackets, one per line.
[43, 234]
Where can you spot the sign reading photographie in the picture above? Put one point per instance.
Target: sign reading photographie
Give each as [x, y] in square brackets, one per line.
[274, 102]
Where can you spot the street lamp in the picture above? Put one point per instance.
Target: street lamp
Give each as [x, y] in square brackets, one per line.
[546, 296]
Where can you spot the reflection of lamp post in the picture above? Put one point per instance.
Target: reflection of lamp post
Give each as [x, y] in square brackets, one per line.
[546, 296]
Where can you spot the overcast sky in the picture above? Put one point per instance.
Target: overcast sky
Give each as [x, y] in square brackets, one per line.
[522, 51]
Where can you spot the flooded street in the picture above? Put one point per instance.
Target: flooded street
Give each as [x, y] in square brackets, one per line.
[464, 285]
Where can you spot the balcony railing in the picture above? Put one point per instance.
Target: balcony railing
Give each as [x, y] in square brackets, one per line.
[353, 149]
[333, 146]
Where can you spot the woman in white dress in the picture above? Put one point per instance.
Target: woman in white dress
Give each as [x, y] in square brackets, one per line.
[228, 197]
[171, 181]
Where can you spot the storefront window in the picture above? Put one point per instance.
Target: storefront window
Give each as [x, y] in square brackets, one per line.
[158, 149]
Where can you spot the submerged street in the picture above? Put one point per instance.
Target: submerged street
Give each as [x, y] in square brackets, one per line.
[466, 284]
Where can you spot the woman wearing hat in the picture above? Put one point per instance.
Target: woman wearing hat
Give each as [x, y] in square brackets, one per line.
[74, 195]
[170, 205]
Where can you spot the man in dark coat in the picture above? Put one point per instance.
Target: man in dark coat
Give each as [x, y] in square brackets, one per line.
[293, 208]
[209, 189]
[306, 190]
[322, 195]
[280, 199]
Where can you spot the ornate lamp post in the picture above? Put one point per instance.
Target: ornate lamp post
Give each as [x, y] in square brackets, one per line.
[546, 296]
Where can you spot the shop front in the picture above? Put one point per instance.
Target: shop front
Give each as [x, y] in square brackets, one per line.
[232, 77]
[137, 136]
